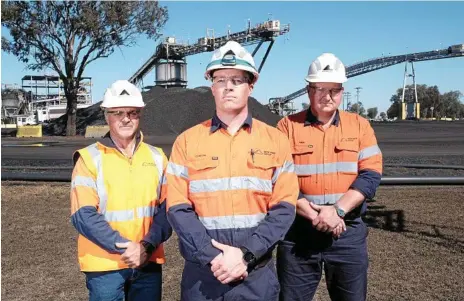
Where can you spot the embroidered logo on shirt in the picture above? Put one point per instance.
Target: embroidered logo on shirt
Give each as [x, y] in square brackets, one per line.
[258, 151]
[349, 139]
[148, 164]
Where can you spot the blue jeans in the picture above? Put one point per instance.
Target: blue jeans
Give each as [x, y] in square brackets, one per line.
[127, 284]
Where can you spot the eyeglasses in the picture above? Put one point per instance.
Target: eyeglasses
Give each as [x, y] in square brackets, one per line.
[134, 114]
[236, 80]
[323, 91]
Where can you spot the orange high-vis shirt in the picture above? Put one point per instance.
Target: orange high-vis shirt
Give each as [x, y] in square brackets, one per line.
[330, 162]
[240, 190]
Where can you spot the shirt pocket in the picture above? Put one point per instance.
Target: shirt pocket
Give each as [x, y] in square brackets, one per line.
[262, 170]
[347, 158]
[305, 163]
[203, 168]
[203, 175]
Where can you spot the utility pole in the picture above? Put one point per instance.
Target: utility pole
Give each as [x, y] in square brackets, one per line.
[357, 98]
[346, 102]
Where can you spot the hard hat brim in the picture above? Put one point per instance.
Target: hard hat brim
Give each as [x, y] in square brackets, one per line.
[121, 101]
[237, 67]
[322, 79]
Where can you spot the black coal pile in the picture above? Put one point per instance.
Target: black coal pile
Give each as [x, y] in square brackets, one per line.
[167, 112]
[92, 115]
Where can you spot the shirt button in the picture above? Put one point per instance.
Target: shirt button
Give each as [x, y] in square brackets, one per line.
[234, 155]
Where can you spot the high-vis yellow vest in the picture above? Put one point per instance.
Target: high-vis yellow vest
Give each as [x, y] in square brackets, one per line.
[125, 191]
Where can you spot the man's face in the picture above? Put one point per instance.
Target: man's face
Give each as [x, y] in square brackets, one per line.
[325, 97]
[231, 89]
[123, 121]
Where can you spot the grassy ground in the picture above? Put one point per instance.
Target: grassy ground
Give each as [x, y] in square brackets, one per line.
[416, 245]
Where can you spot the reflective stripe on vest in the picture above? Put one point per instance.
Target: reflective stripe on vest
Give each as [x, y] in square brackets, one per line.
[158, 159]
[83, 181]
[99, 186]
[128, 215]
[97, 160]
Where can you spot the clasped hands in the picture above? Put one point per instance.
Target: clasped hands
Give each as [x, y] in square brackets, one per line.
[326, 219]
[134, 255]
[229, 265]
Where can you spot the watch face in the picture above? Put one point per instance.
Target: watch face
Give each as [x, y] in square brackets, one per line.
[340, 212]
[249, 257]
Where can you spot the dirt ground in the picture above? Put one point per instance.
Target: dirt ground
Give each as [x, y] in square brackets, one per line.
[416, 245]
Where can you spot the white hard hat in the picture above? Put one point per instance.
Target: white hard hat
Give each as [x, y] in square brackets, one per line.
[122, 94]
[232, 56]
[327, 68]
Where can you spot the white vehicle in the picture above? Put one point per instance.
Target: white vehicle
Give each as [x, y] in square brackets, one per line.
[52, 103]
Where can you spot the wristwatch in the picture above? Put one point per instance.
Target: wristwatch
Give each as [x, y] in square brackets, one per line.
[149, 248]
[248, 257]
[340, 211]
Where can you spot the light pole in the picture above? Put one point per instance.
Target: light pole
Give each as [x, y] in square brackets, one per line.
[346, 102]
[357, 98]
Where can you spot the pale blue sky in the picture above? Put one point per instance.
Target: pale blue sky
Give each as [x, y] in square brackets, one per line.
[354, 31]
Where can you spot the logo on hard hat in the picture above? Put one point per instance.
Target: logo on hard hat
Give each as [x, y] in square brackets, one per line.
[229, 59]
[327, 68]
[124, 92]
[232, 55]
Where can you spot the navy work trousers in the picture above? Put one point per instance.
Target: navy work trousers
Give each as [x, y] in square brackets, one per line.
[199, 284]
[306, 252]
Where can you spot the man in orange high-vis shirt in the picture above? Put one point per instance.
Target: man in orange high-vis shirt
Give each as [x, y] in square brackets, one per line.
[231, 191]
[339, 166]
[118, 205]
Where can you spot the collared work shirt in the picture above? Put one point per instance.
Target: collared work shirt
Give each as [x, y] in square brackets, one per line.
[329, 162]
[240, 190]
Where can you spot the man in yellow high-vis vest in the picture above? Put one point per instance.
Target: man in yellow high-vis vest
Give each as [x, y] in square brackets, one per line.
[118, 205]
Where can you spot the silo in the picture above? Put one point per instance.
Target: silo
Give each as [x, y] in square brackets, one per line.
[171, 73]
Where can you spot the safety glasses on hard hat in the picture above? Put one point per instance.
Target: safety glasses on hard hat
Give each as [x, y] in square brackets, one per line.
[133, 114]
[323, 91]
[235, 80]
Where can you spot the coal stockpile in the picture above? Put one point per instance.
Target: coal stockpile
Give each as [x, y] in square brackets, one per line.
[92, 115]
[167, 112]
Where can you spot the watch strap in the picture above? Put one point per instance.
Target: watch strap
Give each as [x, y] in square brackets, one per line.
[149, 248]
[340, 212]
